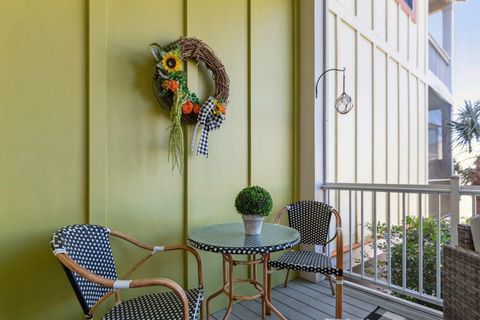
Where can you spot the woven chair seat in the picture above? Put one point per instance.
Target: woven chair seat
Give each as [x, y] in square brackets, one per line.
[157, 306]
[308, 261]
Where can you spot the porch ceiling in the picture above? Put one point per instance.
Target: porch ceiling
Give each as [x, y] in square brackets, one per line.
[437, 5]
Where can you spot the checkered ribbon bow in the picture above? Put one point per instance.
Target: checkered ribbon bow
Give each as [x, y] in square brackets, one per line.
[210, 121]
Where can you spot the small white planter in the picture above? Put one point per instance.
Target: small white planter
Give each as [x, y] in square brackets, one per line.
[253, 224]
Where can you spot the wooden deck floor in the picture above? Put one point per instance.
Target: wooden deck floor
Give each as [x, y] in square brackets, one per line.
[303, 300]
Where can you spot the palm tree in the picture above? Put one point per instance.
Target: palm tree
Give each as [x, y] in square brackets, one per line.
[466, 129]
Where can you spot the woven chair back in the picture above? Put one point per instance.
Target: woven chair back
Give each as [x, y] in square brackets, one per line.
[89, 246]
[311, 219]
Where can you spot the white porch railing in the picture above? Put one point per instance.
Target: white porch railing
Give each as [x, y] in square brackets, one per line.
[394, 233]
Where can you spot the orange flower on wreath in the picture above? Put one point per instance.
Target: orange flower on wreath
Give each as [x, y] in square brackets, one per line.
[219, 108]
[196, 108]
[171, 85]
[187, 107]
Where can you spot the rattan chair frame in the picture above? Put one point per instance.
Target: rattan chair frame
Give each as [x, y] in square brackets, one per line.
[461, 283]
[69, 263]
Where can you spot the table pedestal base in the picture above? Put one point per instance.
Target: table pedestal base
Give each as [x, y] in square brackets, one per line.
[228, 284]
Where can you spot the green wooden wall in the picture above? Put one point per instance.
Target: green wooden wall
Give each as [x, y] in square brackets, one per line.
[84, 141]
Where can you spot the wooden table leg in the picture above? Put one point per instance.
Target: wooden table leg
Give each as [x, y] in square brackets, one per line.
[229, 282]
[268, 285]
[254, 266]
[230, 286]
[217, 293]
[266, 294]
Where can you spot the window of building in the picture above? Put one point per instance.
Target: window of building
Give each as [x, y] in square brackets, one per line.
[409, 6]
[409, 3]
[435, 27]
[435, 135]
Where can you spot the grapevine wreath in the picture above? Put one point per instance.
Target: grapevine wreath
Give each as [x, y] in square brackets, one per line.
[171, 90]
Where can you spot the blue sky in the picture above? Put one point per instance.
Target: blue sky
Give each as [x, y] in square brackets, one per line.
[466, 49]
[466, 53]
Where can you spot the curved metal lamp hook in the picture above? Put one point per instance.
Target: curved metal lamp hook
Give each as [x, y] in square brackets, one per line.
[343, 104]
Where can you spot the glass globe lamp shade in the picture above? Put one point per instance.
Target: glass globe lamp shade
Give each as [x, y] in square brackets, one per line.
[344, 103]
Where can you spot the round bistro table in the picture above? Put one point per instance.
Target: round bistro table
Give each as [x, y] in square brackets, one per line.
[230, 239]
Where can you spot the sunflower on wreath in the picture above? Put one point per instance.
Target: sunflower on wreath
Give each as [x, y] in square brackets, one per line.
[172, 62]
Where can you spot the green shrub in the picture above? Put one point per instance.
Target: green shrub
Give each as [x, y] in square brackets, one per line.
[412, 241]
[254, 200]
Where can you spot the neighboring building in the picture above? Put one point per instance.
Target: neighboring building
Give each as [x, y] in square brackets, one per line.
[440, 98]
[400, 79]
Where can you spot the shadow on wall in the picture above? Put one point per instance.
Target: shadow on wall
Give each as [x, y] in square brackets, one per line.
[144, 67]
[138, 99]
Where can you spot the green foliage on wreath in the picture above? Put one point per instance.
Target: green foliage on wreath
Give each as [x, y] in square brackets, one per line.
[181, 78]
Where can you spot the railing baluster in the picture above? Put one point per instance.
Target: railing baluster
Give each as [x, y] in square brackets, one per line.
[362, 250]
[339, 200]
[350, 263]
[474, 205]
[332, 230]
[385, 277]
[454, 209]
[374, 218]
[438, 257]
[404, 244]
[389, 240]
[420, 245]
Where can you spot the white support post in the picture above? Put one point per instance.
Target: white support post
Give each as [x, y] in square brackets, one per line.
[447, 35]
[454, 208]
[312, 140]
[447, 32]
[311, 127]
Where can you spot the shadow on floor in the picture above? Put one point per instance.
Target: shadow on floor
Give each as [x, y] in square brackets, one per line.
[303, 300]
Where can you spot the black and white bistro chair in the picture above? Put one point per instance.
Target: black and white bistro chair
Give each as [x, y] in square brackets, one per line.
[312, 220]
[85, 253]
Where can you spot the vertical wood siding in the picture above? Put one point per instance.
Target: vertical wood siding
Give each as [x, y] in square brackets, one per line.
[383, 140]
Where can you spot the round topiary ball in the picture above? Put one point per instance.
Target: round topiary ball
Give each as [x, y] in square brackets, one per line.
[254, 200]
